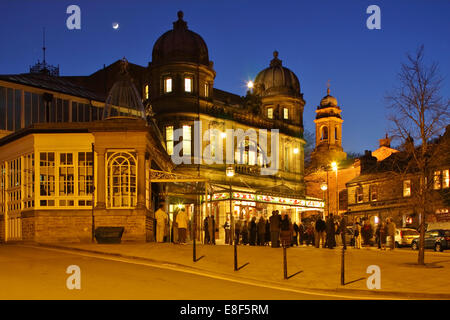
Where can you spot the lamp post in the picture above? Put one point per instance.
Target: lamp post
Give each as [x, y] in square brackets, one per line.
[323, 187]
[230, 174]
[335, 168]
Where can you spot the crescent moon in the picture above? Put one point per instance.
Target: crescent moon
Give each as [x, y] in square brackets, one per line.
[115, 25]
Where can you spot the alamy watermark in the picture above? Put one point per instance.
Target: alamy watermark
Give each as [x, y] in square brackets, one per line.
[74, 280]
[241, 147]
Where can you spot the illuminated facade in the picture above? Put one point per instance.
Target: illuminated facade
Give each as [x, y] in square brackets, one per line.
[53, 183]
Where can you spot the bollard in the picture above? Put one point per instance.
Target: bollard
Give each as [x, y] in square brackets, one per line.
[343, 267]
[194, 253]
[235, 255]
[284, 262]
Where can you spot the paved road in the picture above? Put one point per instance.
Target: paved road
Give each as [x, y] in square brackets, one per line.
[39, 273]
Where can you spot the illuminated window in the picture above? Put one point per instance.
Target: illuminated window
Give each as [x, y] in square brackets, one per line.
[188, 84]
[167, 85]
[47, 175]
[445, 179]
[407, 188]
[66, 174]
[437, 180]
[285, 113]
[270, 113]
[359, 194]
[146, 92]
[187, 140]
[324, 135]
[246, 153]
[206, 90]
[85, 173]
[213, 141]
[373, 193]
[169, 140]
[122, 182]
[286, 158]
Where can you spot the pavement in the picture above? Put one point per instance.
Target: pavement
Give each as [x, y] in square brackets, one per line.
[309, 268]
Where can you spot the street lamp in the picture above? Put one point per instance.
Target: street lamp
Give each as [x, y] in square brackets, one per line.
[250, 85]
[323, 187]
[230, 174]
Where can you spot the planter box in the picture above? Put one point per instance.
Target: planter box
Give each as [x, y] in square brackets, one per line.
[109, 234]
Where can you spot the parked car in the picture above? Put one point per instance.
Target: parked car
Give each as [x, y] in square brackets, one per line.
[404, 237]
[439, 240]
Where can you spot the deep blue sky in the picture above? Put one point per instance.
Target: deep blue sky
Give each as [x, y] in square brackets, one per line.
[318, 40]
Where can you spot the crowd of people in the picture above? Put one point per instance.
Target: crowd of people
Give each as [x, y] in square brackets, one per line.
[278, 230]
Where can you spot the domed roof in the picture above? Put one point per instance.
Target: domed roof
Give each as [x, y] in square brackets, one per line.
[328, 100]
[277, 80]
[180, 44]
[123, 99]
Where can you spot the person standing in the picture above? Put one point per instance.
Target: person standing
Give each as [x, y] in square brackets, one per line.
[330, 229]
[357, 235]
[320, 232]
[391, 233]
[253, 231]
[227, 227]
[286, 231]
[343, 231]
[212, 229]
[175, 226]
[206, 230]
[161, 223]
[301, 232]
[244, 232]
[261, 226]
[275, 229]
[182, 221]
[295, 234]
[382, 236]
[267, 234]
[237, 230]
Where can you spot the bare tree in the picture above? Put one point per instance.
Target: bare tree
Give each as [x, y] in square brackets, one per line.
[418, 115]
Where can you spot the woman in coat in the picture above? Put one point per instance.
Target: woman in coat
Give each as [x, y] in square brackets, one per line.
[253, 231]
[261, 227]
[286, 231]
[244, 232]
[267, 234]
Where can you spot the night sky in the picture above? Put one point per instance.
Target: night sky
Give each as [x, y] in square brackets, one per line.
[318, 40]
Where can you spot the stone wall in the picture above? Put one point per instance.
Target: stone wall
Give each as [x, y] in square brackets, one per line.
[76, 225]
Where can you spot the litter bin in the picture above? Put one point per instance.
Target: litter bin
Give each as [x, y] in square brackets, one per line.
[109, 234]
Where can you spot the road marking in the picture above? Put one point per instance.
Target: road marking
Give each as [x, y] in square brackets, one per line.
[218, 277]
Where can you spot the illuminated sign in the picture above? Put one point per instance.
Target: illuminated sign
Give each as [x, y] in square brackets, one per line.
[250, 197]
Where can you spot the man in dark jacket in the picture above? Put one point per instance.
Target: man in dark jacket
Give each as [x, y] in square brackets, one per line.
[206, 229]
[261, 226]
[343, 230]
[253, 231]
[330, 232]
[275, 222]
[320, 231]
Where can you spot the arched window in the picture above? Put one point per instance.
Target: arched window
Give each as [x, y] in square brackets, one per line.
[324, 135]
[336, 133]
[121, 180]
[250, 153]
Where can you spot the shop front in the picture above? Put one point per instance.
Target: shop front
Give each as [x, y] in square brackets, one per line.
[246, 204]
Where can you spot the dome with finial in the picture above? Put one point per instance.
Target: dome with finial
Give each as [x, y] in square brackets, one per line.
[123, 99]
[276, 80]
[180, 45]
[328, 100]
